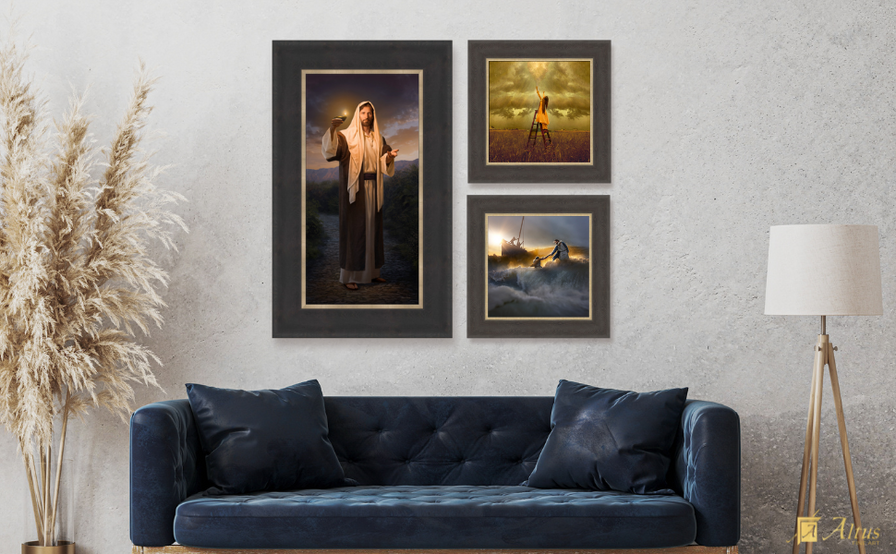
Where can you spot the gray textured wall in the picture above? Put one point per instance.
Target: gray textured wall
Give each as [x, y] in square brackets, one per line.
[728, 117]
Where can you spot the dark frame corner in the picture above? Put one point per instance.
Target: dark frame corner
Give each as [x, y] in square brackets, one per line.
[477, 53]
[480, 205]
[434, 320]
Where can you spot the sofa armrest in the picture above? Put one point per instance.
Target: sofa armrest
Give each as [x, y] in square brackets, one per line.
[167, 465]
[706, 470]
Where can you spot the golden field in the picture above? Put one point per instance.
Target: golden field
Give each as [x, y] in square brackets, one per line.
[509, 146]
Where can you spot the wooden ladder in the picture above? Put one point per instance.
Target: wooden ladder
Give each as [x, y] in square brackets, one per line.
[533, 132]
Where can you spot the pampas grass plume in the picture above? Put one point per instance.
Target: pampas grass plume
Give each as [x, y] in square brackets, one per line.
[77, 280]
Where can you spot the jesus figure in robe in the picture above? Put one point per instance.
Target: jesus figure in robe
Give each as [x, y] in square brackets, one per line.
[363, 157]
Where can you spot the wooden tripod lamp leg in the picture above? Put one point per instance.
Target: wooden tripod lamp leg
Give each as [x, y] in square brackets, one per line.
[816, 428]
[847, 459]
[804, 474]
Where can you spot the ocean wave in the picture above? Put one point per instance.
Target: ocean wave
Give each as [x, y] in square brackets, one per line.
[556, 290]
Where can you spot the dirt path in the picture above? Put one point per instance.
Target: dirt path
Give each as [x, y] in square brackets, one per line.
[323, 286]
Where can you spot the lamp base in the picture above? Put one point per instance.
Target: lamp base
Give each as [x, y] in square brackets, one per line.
[824, 356]
[62, 547]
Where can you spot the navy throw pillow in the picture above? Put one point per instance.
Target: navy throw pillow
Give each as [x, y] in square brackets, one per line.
[605, 439]
[265, 440]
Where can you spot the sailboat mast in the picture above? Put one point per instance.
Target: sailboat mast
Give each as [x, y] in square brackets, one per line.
[521, 229]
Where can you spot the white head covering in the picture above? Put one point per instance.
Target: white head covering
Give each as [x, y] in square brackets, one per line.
[354, 137]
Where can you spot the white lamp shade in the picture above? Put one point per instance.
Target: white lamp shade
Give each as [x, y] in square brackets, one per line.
[823, 270]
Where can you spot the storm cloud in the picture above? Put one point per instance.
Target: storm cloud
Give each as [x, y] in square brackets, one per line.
[512, 99]
[539, 231]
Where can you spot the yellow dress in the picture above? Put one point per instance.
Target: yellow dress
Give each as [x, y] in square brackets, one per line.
[541, 116]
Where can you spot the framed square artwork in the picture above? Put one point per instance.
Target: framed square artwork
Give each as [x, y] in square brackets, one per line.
[362, 189]
[539, 111]
[539, 266]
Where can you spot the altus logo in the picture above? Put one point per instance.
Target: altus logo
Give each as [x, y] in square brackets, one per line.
[808, 530]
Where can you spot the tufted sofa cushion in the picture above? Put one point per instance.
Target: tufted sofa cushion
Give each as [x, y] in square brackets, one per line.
[416, 517]
[438, 440]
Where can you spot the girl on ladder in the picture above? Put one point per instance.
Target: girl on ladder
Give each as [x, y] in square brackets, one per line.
[541, 117]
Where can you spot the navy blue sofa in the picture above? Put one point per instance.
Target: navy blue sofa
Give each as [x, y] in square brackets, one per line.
[434, 473]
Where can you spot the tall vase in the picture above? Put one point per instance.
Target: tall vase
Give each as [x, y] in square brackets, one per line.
[63, 528]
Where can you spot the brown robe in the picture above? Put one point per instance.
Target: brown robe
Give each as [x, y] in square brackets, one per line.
[353, 217]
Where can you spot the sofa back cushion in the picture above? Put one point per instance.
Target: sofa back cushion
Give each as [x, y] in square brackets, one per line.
[438, 440]
[265, 440]
[606, 439]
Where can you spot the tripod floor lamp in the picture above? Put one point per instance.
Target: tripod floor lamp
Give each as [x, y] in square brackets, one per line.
[823, 270]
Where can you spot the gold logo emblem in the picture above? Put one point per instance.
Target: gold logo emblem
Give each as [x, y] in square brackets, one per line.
[807, 529]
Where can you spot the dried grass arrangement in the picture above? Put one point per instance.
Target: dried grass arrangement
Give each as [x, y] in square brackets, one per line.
[76, 277]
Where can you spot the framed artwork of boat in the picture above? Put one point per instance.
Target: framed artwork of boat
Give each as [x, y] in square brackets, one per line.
[362, 189]
[539, 111]
[539, 266]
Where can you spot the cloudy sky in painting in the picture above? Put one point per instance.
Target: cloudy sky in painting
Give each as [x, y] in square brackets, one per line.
[394, 95]
[512, 100]
[539, 231]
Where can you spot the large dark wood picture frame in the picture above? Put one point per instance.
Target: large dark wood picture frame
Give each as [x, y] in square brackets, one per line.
[480, 170]
[432, 316]
[596, 325]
